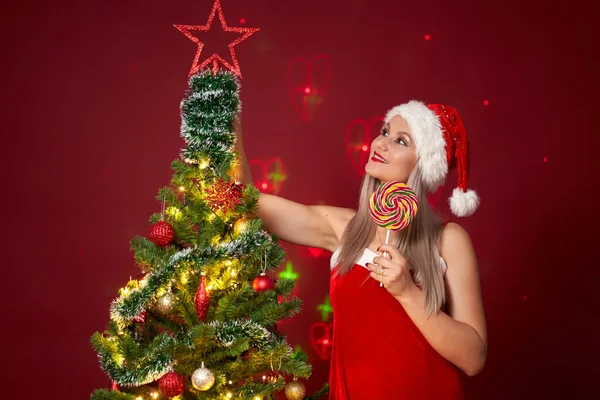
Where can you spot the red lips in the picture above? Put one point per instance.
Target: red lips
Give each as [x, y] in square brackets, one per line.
[378, 158]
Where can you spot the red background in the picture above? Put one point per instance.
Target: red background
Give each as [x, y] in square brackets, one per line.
[90, 124]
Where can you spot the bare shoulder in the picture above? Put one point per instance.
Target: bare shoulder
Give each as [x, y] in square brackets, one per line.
[338, 218]
[454, 236]
[457, 250]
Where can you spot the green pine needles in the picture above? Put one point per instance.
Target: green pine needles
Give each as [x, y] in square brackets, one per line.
[155, 327]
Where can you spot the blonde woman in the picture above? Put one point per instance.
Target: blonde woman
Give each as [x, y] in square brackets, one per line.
[406, 338]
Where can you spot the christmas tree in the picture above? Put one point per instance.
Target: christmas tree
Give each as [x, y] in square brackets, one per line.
[200, 322]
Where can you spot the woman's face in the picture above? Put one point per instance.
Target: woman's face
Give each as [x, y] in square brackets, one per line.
[393, 155]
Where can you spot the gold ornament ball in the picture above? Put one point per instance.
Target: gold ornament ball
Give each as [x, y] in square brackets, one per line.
[203, 378]
[295, 390]
[164, 304]
[240, 226]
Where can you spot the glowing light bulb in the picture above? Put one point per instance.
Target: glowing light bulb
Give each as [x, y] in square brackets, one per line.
[174, 213]
[307, 90]
[485, 102]
[427, 37]
[264, 377]
[242, 20]
[365, 148]
[229, 395]
[209, 287]
[231, 382]
[204, 164]
[119, 359]
[181, 189]
[139, 398]
[184, 277]
[233, 273]
[264, 186]
[165, 301]
[154, 395]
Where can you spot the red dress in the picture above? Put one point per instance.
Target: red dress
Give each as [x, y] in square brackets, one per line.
[378, 352]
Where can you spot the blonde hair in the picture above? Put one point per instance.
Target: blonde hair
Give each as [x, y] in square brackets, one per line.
[418, 243]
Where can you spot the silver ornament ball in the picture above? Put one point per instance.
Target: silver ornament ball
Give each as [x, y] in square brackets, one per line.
[203, 378]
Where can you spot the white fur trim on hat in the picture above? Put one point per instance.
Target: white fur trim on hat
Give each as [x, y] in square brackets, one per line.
[428, 136]
[462, 203]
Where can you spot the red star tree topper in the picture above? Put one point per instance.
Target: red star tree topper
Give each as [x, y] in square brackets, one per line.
[215, 59]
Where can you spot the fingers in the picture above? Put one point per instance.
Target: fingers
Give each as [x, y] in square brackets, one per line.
[378, 269]
[384, 272]
[385, 262]
[379, 278]
[381, 274]
[391, 250]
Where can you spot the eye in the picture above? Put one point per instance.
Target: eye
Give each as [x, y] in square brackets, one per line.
[384, 132]
[401, 141]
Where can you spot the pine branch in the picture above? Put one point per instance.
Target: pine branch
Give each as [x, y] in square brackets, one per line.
[104, 394]
[183, 172]
[186, 308]
[128, 306]
[154, 363]
[202, 338]
[235, 305]
[318, 394]
[249, 200]
[270, 313]
[158, 324]
[284, 287]
[252, 389]
[145, 252]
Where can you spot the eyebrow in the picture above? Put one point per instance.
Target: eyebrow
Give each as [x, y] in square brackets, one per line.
[399, 132]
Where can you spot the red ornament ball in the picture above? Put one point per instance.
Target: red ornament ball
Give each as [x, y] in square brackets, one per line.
[224, 196]
[141, 317]
[162, 233]
[171, 384]
[262, 283]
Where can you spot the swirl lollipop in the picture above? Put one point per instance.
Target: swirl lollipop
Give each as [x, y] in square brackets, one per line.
[393, 206]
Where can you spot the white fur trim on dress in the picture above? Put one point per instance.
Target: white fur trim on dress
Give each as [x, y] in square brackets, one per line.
[427, 133]
[462, 203]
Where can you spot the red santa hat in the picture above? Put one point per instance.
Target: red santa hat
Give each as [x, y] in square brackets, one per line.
[441, 144]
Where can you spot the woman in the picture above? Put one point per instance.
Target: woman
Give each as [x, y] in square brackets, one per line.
[407, 338]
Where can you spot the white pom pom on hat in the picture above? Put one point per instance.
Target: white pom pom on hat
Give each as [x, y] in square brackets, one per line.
[441, 143]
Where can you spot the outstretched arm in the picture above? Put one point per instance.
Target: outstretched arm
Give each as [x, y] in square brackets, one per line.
[313, 226]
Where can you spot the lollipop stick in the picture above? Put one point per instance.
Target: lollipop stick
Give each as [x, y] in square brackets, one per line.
[387, 239]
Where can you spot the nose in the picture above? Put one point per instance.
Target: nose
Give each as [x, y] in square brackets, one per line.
[382, 145]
